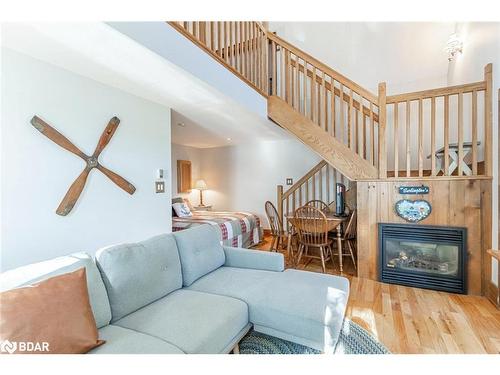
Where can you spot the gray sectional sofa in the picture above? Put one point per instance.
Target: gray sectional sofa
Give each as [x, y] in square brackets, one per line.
[185, 293]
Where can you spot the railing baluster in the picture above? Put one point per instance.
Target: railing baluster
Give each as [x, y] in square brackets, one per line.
[474, 132]
[446, 138]
[396, 139]
[433, 136]
[323, 91]
[313, 94]
[349, 120]
[460, 125]
[219, 38]
[408, 153]
[420, 138]
[332, 107]
[342, 114]
[305, 79]
[365, 155]
[372, 136]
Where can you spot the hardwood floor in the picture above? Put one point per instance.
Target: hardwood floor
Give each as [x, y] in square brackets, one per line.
[413, 320]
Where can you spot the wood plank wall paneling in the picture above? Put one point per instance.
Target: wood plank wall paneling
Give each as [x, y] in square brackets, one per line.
[462, 203]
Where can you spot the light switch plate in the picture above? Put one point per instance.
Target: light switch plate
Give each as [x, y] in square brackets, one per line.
[289, 181]
[160, 186]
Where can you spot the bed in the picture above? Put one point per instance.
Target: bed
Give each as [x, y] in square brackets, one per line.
[237, 229]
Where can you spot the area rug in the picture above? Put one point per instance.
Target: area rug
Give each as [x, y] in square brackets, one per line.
[353, 340]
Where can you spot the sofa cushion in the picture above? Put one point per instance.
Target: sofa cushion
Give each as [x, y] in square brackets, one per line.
[306, 306]
[137, 274]
[121, 340]
[193, 321]
[200, 252]
[36, 272]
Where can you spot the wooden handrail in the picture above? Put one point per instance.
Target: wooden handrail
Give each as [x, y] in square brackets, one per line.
[441, 91]
[304, 178]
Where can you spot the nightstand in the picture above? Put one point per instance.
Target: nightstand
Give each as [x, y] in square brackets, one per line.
[203, 208]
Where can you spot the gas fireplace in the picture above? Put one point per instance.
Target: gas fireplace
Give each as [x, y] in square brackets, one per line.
[423, 256]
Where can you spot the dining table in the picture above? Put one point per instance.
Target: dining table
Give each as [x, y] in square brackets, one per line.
[333, 223]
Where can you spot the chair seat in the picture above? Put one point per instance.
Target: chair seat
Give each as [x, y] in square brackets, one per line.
[304, 307]
[193, 321]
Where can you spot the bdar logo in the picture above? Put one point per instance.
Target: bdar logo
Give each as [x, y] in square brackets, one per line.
[8, 347]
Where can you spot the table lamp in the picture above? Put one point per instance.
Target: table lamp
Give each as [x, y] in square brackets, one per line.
[201, 185]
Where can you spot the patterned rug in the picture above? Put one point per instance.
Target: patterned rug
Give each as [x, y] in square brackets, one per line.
[353, 340]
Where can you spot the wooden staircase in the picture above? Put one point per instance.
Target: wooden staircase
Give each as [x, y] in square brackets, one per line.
[346, 124]
[328, 147]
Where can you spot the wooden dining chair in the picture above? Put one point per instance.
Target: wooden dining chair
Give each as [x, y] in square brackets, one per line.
[275, 225]
[312, 228]
[349, 237]
[320, 205]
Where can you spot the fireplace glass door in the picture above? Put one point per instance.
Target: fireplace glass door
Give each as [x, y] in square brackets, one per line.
[422, 257]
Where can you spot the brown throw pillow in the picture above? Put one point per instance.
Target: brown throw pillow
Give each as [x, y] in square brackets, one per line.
[50, 317]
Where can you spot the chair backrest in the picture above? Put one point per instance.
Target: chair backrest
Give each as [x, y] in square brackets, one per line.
[320, 205]
[311, 225]
[274, 220]
[350, 229]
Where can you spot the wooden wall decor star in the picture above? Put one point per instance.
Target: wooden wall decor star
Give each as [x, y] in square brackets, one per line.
[92, 161]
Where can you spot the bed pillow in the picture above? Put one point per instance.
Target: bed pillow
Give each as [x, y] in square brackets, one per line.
[182, 209]
[176, 200]
[55, 314]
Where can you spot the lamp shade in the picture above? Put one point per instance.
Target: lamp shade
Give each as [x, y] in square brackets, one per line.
[200, 185]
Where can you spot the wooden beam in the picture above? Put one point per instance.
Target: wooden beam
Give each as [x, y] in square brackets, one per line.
[334, 152]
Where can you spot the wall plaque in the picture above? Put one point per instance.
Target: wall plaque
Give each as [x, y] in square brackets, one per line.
[413, 211]
[414, 189]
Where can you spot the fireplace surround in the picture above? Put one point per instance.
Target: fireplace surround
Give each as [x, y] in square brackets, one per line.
[423, 256]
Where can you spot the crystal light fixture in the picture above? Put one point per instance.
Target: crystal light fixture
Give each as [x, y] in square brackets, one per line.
[454, 46]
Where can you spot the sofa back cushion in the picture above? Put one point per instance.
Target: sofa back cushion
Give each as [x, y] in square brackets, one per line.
[36, 272]
[137, 274]
[200, 252]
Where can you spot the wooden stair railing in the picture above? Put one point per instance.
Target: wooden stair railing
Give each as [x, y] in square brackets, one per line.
[449, 112]
[352, 115]
[273, 67]
[318, 183]
[238, 45]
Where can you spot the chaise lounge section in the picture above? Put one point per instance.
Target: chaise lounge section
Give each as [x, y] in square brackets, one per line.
[186, 293]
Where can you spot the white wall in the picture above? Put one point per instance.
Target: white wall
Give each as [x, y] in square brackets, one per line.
[408, 56]
[243, 177]
[481, 46]
[36, 173]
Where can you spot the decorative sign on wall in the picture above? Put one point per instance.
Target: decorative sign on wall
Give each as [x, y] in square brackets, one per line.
[414, 189]
[413, 211]
[76, 188]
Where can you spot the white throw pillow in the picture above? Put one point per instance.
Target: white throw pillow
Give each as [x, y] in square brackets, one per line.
[182, 209]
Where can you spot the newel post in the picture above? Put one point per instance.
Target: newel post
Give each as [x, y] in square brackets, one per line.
[279, 202]
[382, 119]
[488, 119]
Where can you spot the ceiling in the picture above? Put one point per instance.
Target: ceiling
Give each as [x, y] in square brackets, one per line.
[98, 51]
